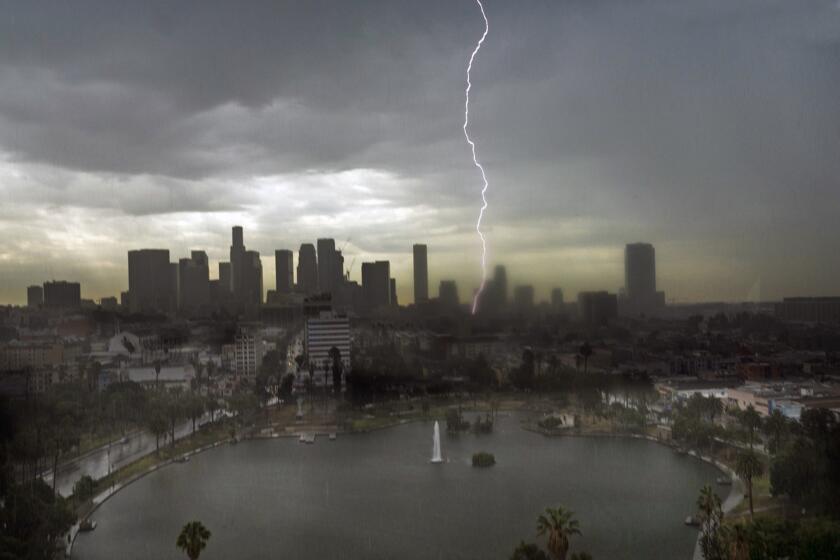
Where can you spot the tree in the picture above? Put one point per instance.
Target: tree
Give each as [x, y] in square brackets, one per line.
[586, 352]
[750, 420]
[738, 540]
[193, 539]
[157, 373]
[337, 369]
[523, 377]
[558, 525]
[776, 428]
[528, 551]
[84, 488]
[749, 466]
[711, 516]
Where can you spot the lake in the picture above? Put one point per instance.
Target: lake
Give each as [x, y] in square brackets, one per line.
[376, 496]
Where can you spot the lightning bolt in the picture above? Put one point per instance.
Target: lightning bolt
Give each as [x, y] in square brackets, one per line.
[476, 162]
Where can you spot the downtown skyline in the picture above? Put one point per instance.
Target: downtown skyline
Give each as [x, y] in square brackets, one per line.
[608, 125]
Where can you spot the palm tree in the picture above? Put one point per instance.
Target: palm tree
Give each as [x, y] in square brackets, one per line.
[559, 525]
[585, 351]
[193, 539]
[749, 466]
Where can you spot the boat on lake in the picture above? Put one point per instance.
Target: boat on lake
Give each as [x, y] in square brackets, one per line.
[87, 525]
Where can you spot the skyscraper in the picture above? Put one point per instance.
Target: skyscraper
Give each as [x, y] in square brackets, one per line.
[150, 281]
[393, 291]
[34, 296]
[225, 277]
[329, 268]
[251, 278]
[194, 282]
[421, 274]
[307, 269]
[376, 284]
[237, 254]
[640, 295]
[639, 271]
[284, 271]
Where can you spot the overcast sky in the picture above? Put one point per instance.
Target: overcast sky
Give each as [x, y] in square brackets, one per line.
[710, 128]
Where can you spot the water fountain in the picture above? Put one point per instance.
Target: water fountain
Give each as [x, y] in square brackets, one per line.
[436, 458]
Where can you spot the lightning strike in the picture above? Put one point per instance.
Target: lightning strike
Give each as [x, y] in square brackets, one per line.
[476, 162]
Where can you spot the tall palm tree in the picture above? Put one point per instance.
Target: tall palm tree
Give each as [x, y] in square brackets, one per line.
[193, 539]
[585, 351]
[559, 525]
[749, 466]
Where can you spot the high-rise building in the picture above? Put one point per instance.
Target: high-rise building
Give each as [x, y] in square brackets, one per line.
[307, 269]
[62, 294]
[284, 271]
[323, 333]
[448, 293]
[237, 256]
[376, 284]
[330, 272]
[421, 274]
[494, 297]
[150, 281]
[393, 290]
[640, 295]
[557, 299]
[523, 297]
[194, 282]
[639, 271]
[597, 308]
[251, 277]
[34, 296]
[225, 277]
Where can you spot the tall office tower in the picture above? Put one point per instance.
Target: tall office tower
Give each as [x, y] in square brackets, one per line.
[500, 285]
[284, 271]
[62, 294]
[149, 281]
[194, 282]
[225, 277]
[639, 271]
[448, 293]
[557, 299]
[421, 274]
[329, 272]
[237, 255]
[376, 284]
[251, 292]
[393, 290]
[523, 297]
[34, 296]
[339, 270]
[307, 269]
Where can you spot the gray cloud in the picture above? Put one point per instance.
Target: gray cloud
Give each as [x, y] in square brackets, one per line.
[709, 128]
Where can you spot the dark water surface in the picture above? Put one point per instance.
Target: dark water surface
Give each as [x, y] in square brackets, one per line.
[376, 496]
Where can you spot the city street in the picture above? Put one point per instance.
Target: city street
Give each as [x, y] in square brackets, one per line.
[96, 463]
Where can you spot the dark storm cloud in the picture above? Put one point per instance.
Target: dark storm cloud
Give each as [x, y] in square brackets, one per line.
[708, 126]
